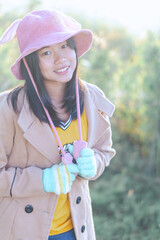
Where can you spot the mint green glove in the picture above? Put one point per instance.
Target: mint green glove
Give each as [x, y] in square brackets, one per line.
[59, 178]
[86, 162]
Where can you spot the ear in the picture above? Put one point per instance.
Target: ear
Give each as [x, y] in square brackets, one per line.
[10, 32]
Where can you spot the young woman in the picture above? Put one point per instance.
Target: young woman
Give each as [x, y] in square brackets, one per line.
[55, 133]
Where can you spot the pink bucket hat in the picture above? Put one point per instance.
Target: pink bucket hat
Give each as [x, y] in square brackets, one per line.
[43, 28]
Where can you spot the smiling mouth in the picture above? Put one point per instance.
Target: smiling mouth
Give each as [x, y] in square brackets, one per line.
[62, 70]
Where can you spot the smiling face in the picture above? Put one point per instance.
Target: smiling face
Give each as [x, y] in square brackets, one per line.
[57, 63]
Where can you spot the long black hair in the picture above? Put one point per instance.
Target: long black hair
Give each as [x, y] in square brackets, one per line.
[69, 101]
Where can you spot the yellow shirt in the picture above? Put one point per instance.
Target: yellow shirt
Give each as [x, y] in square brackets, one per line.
[68, 133]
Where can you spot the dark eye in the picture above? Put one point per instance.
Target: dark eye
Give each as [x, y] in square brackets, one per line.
[46, 53]
[65, 45]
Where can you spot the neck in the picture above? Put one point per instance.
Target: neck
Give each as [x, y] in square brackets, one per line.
[56, 92]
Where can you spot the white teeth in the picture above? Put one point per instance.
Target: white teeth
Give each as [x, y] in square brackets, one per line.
[62, 70]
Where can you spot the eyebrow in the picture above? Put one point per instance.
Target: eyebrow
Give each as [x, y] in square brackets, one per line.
[44, 47]
[50, 46]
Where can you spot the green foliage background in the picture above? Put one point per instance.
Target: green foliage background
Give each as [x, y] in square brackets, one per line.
[125, 198]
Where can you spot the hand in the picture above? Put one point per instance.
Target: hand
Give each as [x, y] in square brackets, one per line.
[87, 163]
[59, 178]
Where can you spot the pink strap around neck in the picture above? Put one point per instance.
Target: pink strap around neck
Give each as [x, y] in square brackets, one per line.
[78, 110]
[47, 113]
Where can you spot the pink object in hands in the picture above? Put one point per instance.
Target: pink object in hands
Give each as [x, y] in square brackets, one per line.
[77, 147]
[67, 158]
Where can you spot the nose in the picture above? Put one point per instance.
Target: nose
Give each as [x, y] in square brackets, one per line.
[59, 57]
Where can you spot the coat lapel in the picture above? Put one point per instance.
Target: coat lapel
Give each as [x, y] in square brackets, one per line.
[97, 123]
[38, 134]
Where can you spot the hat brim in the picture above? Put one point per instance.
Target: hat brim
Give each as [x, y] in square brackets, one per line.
[83, 40]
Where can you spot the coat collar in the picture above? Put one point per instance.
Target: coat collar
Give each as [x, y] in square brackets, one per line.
[41, 137]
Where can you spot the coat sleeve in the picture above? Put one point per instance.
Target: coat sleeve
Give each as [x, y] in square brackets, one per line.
[14, 181]
[103, 152]
[103, 145]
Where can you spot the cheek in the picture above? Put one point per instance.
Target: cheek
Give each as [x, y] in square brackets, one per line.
[74, 60]
[43, 66]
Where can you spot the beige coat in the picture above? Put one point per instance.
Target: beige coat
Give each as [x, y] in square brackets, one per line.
[26, 148]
